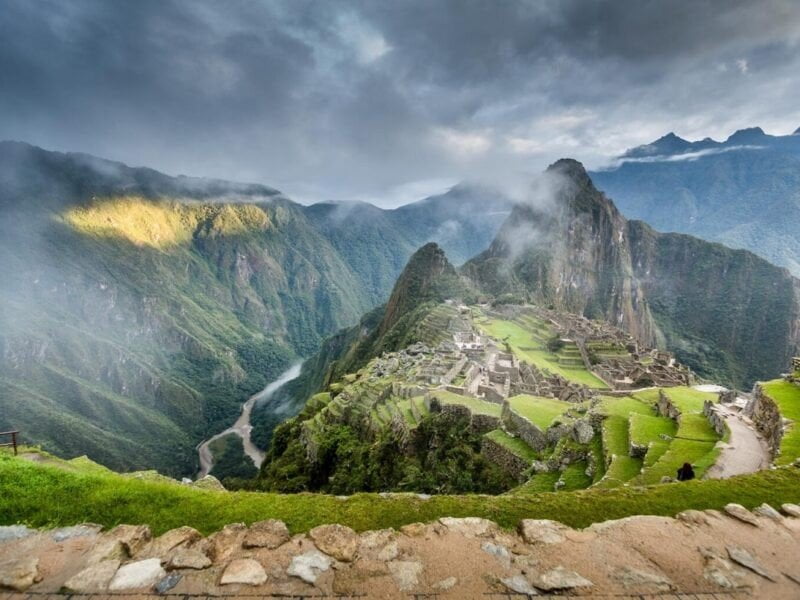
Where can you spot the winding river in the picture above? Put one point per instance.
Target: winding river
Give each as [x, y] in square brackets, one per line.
[242, 426]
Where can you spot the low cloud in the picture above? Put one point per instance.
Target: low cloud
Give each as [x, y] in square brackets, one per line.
[355, 99]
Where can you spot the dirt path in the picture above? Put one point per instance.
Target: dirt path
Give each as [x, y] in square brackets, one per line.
[242, 426]
[745, 452]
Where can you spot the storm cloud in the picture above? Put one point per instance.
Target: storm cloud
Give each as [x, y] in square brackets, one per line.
[388, 101]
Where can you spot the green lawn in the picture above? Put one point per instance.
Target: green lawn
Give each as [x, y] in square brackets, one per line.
[648, 396]
[476, 405]
[787, 396]
[623, 467]
[624, 406]
[689, 400]
[48, 496]
[513, 444]
[539, 411]
[575, 477]
[541, 482]
[694, 441]
[700, 454]
[645, 429]
[529, 349]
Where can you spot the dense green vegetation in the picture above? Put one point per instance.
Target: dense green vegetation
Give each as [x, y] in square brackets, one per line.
[787, 396]
[230, 459]
[442, 457]
[47, 496]
[134, 323]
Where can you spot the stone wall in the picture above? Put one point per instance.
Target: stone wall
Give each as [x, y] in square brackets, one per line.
[524, 429]
[715, 417]
[455, 370]
[483, 423]
[766, 418]
[490, 394]
[504, 458]
[666, 408]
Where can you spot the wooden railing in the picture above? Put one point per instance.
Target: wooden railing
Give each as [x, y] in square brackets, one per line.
[13, 442]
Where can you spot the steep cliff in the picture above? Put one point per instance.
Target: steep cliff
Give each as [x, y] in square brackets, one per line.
[726, 313]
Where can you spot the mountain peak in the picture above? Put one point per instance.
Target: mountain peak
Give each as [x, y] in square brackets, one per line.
[428, 275]
[796, 131]
[570, 168]
[665, 145]
[749, 134]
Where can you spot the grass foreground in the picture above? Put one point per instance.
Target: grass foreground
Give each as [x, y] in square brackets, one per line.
[41, 495]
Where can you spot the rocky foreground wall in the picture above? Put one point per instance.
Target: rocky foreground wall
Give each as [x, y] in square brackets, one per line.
[734, 553]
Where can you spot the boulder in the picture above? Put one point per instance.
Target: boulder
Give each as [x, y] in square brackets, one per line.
[469, 526]
[223, 543]
[67, 533]
[92, 579]
[499, 551]
[519, 585]
[542, 531]
[266, 534]
[188, 558]
[169, 582]
[108, 548]
[745, 559]
[630, 577]
[14, 532]
[139, 575]
[582, 431]
[245, 571]
[561, 579]
[405, 573]
[182, 536]
[693, 517]
[737, 511]
[309, 565]
[338, 541]
[793, 510]
[134, 537]
[765, 510]
[19, 573]
[414, 529]
[379, 545]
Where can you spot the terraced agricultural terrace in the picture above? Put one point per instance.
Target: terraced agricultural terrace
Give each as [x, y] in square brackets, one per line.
[532, 395]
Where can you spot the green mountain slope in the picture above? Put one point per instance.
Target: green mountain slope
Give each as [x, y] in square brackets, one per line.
[139, 309]
[134, 323]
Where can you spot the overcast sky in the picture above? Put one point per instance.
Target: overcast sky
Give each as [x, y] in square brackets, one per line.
[389, 101]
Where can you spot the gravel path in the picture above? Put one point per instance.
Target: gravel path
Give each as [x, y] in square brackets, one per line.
[746, 452]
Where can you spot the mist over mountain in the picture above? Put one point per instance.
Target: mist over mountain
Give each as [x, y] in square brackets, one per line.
[743, 192]
[726, 313]
[139, 310]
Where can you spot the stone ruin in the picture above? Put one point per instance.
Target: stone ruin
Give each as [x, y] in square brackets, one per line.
[627, 366]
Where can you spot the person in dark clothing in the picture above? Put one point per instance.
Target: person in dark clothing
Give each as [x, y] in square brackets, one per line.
[686, 472]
